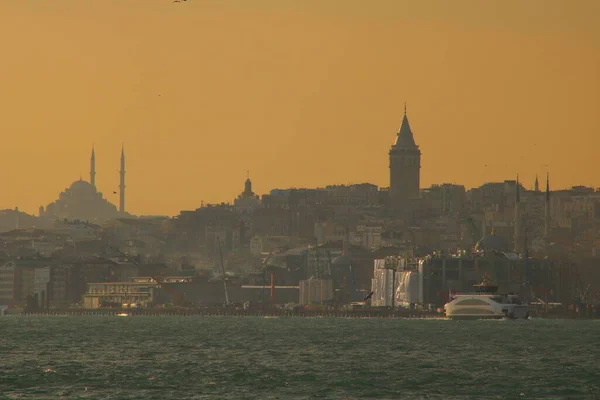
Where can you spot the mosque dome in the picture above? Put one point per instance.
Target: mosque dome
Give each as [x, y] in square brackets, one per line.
[81, 186]
[81, 201]
[492, 242]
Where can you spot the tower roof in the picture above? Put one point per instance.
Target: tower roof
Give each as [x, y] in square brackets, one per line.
[405, 136]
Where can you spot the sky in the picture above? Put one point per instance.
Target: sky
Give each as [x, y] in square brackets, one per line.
[300, 93]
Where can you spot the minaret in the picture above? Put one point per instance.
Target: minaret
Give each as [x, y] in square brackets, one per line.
[405, 165]
[517, 239]
[248, 185]
[93, 168]
[122, 183]
[547, 207]
[537, 184]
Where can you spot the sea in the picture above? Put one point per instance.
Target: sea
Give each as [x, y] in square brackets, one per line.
[171, 357]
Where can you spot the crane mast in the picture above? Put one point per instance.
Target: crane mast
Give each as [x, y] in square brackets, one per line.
[223, 272]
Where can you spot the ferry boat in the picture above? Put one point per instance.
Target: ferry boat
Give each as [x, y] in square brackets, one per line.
[485, 303]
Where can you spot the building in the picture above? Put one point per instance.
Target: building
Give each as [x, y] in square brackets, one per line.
[316, 291]
[359, 195]
[368, 237]
[405, 166]
[208, 226]
[7, 283]
[429, 280]
[82, 201]
[256, 246]
[247, 202]
[444, 199]
[120, 294]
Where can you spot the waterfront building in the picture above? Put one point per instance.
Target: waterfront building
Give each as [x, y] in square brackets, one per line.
[428, 281]
[120, 294]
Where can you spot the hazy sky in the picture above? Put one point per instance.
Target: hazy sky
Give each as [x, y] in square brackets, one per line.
[301, 93]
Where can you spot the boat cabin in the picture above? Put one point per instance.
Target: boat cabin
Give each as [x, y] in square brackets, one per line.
[485, 287]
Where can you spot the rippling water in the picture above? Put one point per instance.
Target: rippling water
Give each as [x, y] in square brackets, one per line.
[295, 358]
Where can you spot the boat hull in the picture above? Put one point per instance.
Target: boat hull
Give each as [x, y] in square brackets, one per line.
[484, 316]
[489, 311]
[474, 317]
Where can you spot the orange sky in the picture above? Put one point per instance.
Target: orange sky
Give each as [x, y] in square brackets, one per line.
[299, 92]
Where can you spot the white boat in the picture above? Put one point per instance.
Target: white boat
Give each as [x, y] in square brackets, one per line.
[485, 303]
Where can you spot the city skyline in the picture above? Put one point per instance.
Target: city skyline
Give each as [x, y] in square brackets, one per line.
[120, 193]
[491, 92]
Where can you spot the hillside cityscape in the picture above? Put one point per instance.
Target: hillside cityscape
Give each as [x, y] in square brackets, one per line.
[356, 245]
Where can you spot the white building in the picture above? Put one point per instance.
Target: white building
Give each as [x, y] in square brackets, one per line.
[395, 284]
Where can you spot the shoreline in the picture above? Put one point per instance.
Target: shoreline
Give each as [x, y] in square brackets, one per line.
[270, 313]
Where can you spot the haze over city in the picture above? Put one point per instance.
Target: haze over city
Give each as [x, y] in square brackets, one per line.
[300, 93]
[300, 199]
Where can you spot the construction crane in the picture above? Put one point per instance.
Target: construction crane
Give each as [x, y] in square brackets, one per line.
[223, 272]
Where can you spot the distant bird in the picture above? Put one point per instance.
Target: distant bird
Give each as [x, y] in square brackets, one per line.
[114, 192]
[369, 296]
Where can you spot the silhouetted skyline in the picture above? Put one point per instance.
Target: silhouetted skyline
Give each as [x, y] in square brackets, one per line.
[302, 94]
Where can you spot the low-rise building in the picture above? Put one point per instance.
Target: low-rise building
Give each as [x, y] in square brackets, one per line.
[120, 294]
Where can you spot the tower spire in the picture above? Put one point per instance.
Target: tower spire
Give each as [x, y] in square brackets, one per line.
[248, 185]
[122, 181]
[405, 136]
[547, 207]
[405, 165]
[537, 184]
[93, 168]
